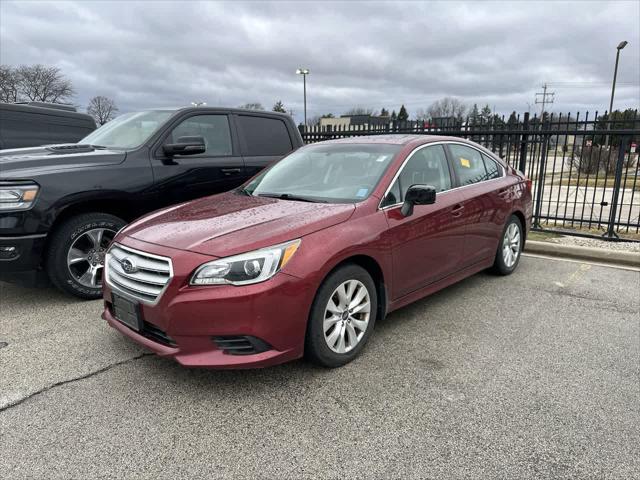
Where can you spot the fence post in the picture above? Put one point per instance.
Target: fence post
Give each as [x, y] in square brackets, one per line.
[540, 181]
[523, 145]
[611, 230]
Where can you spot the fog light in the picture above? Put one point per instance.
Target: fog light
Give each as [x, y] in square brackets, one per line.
[7, 253]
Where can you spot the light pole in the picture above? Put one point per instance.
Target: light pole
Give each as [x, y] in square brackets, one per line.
[620, 46]
[304, 72]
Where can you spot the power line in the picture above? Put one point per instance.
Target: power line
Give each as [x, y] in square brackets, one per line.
[547, 98]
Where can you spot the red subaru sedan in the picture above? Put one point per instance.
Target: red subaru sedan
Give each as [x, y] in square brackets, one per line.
[309, 254]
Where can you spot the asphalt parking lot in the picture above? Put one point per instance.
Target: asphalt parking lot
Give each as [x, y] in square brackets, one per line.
[531, 376]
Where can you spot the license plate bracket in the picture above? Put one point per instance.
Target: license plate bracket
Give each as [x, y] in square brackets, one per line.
[127, 312]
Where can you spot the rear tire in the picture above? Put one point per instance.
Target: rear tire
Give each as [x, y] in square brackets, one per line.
[509, 248]
[342, 317]
[75, 257]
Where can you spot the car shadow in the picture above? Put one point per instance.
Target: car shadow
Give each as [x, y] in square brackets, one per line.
[301, 374]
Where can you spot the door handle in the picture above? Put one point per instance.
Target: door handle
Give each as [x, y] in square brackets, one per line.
[229, 171]
[504, 192]
[456, 211]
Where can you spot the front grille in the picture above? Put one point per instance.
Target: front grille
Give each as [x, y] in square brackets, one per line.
[147, 280]
[241, 345]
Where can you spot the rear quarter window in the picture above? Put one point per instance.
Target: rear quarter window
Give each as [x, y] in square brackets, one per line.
[264, 136]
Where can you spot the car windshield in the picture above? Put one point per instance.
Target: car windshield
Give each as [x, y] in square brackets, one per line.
[129, 130]
[333, 173]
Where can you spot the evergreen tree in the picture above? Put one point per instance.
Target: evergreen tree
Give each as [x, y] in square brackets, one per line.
[394, 116]
[279, 107]
[474, 116]
[403, 116]
[485, 114]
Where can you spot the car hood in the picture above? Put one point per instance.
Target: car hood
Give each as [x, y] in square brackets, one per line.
[23, 162]
[230, 223]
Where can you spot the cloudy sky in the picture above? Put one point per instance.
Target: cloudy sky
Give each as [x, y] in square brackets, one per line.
[375, 55]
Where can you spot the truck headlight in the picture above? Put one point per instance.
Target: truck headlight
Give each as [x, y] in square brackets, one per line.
[17, 197]
[247, 268]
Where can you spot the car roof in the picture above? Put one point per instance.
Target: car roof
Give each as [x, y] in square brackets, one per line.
[397, 139]
[42, 110]
[206, 108]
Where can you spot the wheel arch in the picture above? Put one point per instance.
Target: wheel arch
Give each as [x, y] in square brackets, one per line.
[372, 266]
[520, 215]
[118, 207]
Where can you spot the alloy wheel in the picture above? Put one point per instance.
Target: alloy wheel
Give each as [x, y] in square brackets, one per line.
[85, 259]
[346, 316]
[511, 245]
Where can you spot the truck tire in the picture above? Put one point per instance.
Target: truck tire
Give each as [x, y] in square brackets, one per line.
[75, 258]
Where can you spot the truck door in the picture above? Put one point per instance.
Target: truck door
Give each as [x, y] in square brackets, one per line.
[184, 177]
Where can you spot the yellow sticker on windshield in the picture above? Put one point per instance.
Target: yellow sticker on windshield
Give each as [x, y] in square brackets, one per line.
[465, 163]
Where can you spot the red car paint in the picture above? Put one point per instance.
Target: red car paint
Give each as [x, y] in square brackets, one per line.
[411, 257]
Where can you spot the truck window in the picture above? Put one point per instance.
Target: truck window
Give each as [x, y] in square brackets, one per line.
[264, 136]
[213, 128]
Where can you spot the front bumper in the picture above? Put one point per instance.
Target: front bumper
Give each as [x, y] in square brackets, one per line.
[274, 312]
[20, 257]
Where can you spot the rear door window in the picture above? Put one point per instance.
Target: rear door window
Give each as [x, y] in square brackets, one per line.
[264, 136]
[468, 164]
[491, 166]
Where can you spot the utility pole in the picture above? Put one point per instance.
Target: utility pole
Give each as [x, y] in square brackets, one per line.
[613, 88]
[304, 72]
[547, 99]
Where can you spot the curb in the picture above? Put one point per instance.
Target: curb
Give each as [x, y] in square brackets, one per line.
[630, 259]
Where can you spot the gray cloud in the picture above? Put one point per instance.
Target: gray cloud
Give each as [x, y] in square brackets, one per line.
[150, 54]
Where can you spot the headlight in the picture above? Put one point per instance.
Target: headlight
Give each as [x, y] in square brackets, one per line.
[247, 268]
[17, 197]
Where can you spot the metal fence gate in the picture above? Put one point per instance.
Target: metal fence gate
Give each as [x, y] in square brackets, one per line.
[584, 170]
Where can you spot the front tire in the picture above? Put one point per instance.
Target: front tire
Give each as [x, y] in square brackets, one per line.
[75, 257]
[510, 247]
[342, 317]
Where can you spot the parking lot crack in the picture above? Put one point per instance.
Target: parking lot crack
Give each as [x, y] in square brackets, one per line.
[71, 380]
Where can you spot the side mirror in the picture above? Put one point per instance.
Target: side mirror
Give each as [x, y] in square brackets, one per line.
[185, 146]
[417, 195]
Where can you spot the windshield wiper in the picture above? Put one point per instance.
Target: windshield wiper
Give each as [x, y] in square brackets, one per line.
[244, 191]
[290, 196]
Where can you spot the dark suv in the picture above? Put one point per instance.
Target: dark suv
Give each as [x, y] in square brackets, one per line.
[36, 123]
[61, 205]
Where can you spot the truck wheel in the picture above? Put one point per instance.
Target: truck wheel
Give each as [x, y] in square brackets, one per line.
[75, 257]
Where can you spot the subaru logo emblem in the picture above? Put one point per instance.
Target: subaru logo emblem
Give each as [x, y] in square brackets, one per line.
[128, 264]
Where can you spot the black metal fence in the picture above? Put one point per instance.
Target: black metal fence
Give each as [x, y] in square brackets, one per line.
[584, 168]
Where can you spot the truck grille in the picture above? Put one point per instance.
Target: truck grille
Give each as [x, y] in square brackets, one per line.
[140, 275]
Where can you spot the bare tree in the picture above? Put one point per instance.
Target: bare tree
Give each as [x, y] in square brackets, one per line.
[252, 106]
[421, 114]
[447, 107]
[102, 109]
[43, 84]
[360, 111]
[8, 84]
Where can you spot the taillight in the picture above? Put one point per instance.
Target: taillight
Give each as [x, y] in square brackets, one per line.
[528, 183]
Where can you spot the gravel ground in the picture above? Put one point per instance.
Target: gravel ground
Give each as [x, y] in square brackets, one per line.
[593, 242]
[535, 375]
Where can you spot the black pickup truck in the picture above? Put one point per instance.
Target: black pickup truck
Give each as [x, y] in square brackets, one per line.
[61, 205]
